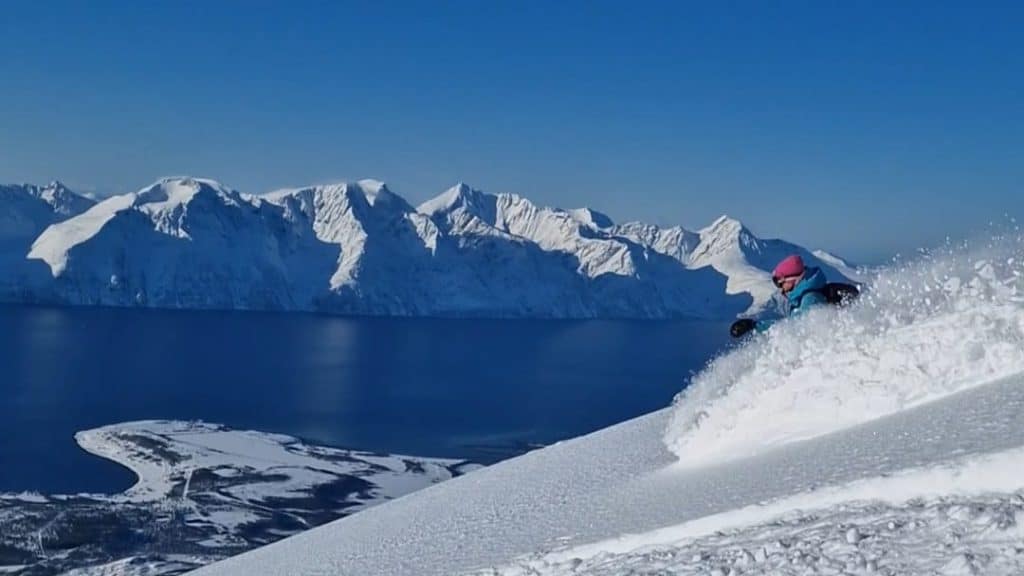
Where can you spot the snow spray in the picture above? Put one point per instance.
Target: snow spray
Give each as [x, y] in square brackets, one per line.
[945, 321]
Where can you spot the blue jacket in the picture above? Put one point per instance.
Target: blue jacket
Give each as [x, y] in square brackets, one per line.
[806, 294]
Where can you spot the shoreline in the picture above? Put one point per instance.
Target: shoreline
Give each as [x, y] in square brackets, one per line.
[203, 492]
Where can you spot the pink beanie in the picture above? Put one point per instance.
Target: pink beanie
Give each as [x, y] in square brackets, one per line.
[791, 266]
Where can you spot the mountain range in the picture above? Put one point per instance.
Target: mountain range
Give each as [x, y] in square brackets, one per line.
[359, 248]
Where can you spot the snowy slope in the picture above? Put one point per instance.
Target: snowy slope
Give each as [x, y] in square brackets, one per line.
[359, 248]
[838, 264]
[925, 330]
[888, 447]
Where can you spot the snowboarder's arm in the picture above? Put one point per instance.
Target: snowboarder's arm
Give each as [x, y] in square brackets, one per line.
[742, 327]
[809, 300]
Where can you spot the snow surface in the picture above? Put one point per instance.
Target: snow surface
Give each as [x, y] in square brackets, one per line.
[359, 248]
[969, 507]
[164, 454]
[926, 329]
[922, 480]
[56, 241]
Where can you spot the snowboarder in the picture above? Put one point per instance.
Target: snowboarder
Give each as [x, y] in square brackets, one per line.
[804, 287]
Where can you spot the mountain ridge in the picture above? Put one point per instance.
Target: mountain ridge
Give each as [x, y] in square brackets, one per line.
[360, 248]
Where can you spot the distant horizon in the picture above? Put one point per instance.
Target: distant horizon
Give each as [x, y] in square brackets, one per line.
[868, 129]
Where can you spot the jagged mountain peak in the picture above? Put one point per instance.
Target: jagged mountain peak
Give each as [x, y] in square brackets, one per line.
[181, 189]
[64, 201]
[57, 186]
[459, 196]
[724, 225]
[591, 217]
[724, 233]
[376, 192]
[363, 198]
[461, 203]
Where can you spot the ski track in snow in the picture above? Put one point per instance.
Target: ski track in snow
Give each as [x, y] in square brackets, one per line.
[890, 523]
[947, 536]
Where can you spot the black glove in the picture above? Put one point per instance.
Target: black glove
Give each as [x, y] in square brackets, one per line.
[741, 327]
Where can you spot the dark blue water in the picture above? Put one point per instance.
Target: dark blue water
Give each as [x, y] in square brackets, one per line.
[462, 388]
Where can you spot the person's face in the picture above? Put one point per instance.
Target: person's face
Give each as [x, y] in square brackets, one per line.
[787, 283]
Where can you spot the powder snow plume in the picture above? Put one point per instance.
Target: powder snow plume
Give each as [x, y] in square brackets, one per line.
[949, 320]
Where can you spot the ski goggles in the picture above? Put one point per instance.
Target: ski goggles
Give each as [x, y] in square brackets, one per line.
[780, 280]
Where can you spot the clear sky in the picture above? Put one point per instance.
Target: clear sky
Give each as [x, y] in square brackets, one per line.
[866, 128]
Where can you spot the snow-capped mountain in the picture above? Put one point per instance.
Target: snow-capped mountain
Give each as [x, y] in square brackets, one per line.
[61, 200]
[25, 211]
[359, 248]
[186, 243]
[676, 241]
[726, 246]
[618, 276]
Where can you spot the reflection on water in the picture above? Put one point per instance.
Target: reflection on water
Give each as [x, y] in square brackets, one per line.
[479, 389]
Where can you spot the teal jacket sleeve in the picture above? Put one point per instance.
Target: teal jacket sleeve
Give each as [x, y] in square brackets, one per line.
[809, 300]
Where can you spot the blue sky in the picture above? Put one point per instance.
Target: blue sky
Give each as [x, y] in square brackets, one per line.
[866, 128]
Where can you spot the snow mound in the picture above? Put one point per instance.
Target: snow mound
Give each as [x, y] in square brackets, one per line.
[951, 320]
